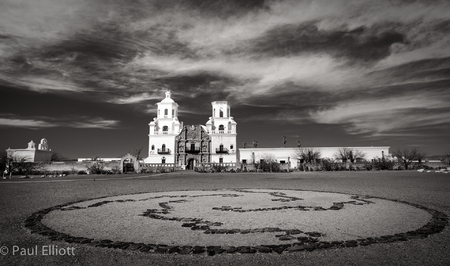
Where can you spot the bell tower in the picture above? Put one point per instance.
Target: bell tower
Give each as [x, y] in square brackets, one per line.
[163, 130]
[222, 129]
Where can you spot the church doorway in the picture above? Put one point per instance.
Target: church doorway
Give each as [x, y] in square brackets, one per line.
[191, 164]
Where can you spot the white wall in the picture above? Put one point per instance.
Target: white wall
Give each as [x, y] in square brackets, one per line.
[30, 155]
[289, 154]
[158, 141]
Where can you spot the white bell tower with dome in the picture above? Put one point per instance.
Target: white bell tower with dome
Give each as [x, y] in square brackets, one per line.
[223, 132]
[163, 130]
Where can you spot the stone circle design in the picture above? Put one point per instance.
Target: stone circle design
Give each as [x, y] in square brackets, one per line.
[236, 221]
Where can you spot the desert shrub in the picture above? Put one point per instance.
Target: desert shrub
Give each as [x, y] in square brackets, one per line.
[368, 165]
[116, 170]
[96, 168]
[218, 168]
[383, 164]
[360, 167]
[327, 165]
[269, 166]
[427, 167]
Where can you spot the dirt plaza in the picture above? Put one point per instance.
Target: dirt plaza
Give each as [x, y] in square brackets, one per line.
[333, 200]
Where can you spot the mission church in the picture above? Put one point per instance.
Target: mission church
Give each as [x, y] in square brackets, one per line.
[185, 146]
[172, 144]
[188, 146]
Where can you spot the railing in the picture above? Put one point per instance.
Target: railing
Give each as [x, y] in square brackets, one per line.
[165, 132]
[147, 165]
[221, 132]
[221, 150]
[194, 150]
[221, 164]
[165, 151]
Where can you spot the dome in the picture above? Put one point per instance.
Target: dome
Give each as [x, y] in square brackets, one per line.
[168, 99]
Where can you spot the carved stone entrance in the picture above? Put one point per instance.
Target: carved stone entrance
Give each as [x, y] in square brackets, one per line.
[190, 164]
[192, 147]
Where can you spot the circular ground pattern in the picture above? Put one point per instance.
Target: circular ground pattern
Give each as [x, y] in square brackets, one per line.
[236, 220]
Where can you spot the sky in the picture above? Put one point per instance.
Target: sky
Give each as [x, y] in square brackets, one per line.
[86, 75]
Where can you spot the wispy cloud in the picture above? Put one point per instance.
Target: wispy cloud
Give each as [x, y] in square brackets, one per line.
[47, 122]
[25, 123]
[136, 98]
[44, 84]
[386, 116]
[98, 123]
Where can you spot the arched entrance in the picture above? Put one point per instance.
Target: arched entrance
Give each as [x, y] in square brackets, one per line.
[129, 163]
[190, 164]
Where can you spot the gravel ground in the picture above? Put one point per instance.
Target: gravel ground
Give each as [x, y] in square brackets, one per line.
[21, 198]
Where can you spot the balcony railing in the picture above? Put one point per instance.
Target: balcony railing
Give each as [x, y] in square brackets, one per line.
[221, 132]
[192, 150]
[164, 132]
[223, 150]
[165, 151]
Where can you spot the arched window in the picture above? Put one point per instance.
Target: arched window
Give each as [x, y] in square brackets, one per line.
[173, 112]
[231, 146]
[221, 129]
[221, 147]
[221, 113]
[165, 129]
[163, 148]
[153, 147]
[163, 160]
[166, 112]
[214, 112]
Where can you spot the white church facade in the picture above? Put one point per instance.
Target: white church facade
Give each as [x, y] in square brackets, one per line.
[186, 146]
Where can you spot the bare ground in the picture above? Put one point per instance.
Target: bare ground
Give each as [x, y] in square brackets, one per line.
[21, 198]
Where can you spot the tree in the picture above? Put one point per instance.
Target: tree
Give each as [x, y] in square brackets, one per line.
[348, 154]
[446, 159]
[407, 155]
[57, 157]
[137, 153]
[268, 162]
[308, 155]
[19, 164]
[420, 156]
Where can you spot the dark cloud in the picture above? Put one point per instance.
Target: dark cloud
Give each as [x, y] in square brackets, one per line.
[226, 8]
[197, 91]
[361, 44]
[364, 70]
